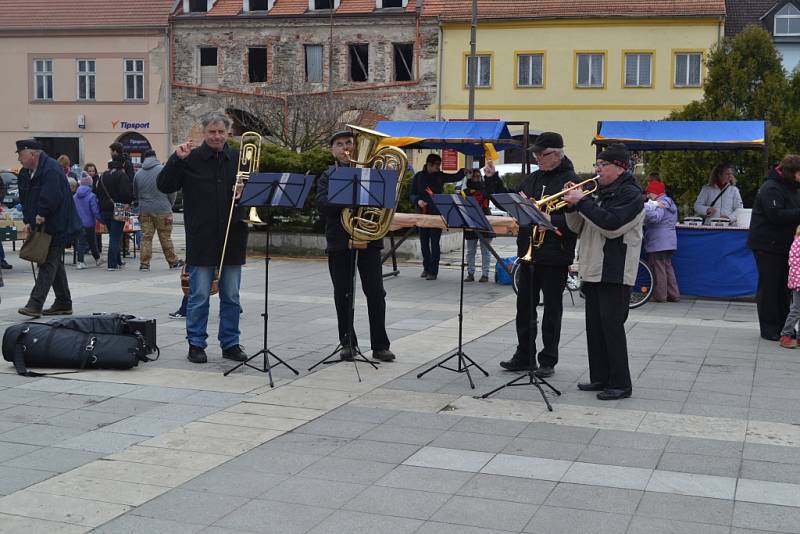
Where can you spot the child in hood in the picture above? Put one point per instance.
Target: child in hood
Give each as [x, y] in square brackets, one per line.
[89, 213]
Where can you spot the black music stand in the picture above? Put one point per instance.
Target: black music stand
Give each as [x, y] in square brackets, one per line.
[526, 214]
[279, 190]
[465, 213]
[355, 187]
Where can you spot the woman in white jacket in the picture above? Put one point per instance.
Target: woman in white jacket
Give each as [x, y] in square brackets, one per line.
[720, 197]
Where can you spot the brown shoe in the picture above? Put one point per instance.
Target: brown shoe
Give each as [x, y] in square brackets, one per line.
[30, 312]
[58, 310]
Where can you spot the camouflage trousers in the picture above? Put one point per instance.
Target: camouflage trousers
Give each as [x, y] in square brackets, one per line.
[152, 223]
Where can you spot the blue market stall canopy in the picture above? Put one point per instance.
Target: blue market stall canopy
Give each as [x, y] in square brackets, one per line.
[683, 135]
[467, 137]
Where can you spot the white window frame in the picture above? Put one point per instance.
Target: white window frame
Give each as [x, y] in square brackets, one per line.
[379, 4]
[478, 70]
[135, 73]
[89, 75]
[530, 56]
[685, 83]
[788, 17]
[638, 69]
[311, 6]
[592, 56]
[43, 70]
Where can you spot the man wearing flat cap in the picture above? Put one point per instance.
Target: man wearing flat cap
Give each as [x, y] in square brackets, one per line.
[341, 263]
[551, 261]
[47, 203]
[609, 225]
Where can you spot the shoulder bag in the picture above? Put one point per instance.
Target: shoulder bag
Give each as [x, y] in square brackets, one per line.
[121, 211]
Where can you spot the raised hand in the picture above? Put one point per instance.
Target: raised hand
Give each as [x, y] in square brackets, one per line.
[182, 151]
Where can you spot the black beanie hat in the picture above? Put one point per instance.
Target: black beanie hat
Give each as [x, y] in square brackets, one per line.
[616, 154]
[547, 140]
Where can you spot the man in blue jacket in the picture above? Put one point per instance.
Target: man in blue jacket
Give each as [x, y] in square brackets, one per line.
[47, 202]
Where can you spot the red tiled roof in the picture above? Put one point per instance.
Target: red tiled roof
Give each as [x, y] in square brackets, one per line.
[289, 7]
[82, 14]
[461, 10]
[226, 8]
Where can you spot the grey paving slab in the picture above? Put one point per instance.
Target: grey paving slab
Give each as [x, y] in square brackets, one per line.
[448, 458]
[212, 398]
[142, 425]
[30, 414]
[766, 517]
[685, 508]
[555, 520]
[485, 513]
[100, 441]
[553, 432]
[336, 428]
[555, 450]
[159, 394]
[267, 461]
[238, 482]
[363, 523]
[471, 441]
[652, 525]
[505, 488]
[704, 465]
[771, 453]
[423, 420]
[397, 434]
[608, 475]
[692, 484]
[39, 434]
[54, 459]
[771, 471]
[286, 518]
[763, 492]
[314, 492]
[361, 414]
[21, 396]
[430, 527]
[397, 502]
[361, 449]
[347, 470]
[16, 478]
[424, 479]
[598, 498]
[629, 440]
[622, 456]
[107, 389]
[180, 412]
[194, 507]
[709, 447]
[134, 524]
[125, 406]
[9, 451]
[522, 466]
[493, 427]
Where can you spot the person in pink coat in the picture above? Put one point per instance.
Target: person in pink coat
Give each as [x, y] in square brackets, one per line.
[788, 333]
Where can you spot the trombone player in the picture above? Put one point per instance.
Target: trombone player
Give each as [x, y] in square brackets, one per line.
[207, 176]
[341, 264]
[552, 259]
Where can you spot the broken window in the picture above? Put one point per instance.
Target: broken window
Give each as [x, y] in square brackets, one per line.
[208, 66]
[257, 64]
[403, 62]
[359, 62]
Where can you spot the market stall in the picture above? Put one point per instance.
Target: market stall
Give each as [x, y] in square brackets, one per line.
[710, 261]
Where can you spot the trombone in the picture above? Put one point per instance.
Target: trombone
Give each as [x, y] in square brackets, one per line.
[555, 202]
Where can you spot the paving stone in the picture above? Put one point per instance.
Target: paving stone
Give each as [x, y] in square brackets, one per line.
[397, 434]
[142, 426]
[763, 492]
[505, 488]
[651, 525]
[13, 524]
[378, 451]
[346, 470]
[29, 414]
[134, 524]
[766, 517]
[685, 508]
[444, 528]
[285, 518]
[362, 523]
[708, 447]
[551, 432]
[100, 441]
[39, 434]
[522, 466]
[423, 420]
[9, 451]
[107, 389]
[67, 401]
[769, 453]
[629, 440]
[489, 426]
[608, 475]
[159, 394]
[485, 513]
[53, 459]
[230, 481]
[424, 479]
[314, 492]
[280, 463]
[692, 484]
[598, 498]
[304, 444]
[85, 420]
[554, 520]
[774, 472]
[60, 509]
[180, 412]
[539, 448]
[16, 478]
[361, 414]
[471, 441]
[621, 456]
[21, 396]
[212, 398]
[194, 507]
[454, 459]
[336, 428]
[703, 465]
[397, 502]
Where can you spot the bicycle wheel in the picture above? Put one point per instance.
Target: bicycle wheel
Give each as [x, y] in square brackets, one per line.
[515, 276]
[643, 287]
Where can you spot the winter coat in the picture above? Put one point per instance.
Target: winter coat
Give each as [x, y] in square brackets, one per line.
[482, 191]
[794, 264]
[87, 206]
[726, 205]
[555, 251]
[47, 194]
[145, 189]
[336, 237]
[424, 180]
[659, 225]
[207, 178]
[775, 216]
[610, 230]
[114, 187]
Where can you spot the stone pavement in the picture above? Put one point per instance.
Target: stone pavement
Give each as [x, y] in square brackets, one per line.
[710, 441]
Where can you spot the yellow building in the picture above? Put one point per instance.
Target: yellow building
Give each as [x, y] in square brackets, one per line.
[565, 71]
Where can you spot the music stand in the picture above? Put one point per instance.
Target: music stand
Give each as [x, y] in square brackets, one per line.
[465, 213]
[355, 187]
[526, 214]
[279, 190]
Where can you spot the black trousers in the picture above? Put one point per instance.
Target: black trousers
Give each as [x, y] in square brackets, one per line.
[340, 265]
[429, 239]
[606, 313]
[551, 281]
[51, 274]
[773, 296]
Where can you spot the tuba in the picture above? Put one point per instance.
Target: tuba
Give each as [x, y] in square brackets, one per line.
[368, 223]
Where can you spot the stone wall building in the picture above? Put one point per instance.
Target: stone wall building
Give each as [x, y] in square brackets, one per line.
[233, 55]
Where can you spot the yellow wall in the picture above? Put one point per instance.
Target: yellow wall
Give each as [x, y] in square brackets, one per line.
[559, 105]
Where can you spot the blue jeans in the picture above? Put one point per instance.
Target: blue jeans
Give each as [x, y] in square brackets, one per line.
[429, 243]
[486, 256]
[114, 240]
[200, 278]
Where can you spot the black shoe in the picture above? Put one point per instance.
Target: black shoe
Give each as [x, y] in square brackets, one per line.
[771, 337]
[197, 355]
[347, 354]
[235, 353]
[591, 386]
[544, 372]
[424, 274]
[484, 278]
[57, 309]
[30, 312]
[614, 394]
[431, 276]
[518, 362]
[384, 355]
[177, 315]
[470, 277]
[5, 265]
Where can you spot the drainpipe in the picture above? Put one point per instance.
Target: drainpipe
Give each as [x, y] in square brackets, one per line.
[440, 60]
[168, 96]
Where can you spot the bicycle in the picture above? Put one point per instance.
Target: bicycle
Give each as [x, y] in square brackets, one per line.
[641, 292]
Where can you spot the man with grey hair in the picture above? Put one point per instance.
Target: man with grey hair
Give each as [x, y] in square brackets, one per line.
[207, 177]
[551, 260]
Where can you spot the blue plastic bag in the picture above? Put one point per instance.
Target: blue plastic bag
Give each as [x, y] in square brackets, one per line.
[501, 270]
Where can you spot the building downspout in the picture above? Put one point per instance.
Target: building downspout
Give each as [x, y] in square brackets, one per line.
[720, 21]
[440, 61]
[168, 98]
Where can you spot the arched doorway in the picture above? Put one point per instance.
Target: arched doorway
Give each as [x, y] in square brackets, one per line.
[135, 145]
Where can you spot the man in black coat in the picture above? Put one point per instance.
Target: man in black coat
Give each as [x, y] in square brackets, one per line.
[118, 152]
[207, 177]
[551, 261]
[775, 217]
[341, 262]
[48, 203]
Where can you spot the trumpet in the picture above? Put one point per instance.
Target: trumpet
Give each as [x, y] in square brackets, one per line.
[555, 202]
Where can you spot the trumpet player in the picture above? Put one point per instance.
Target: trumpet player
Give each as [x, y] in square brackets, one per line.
[341, 263]
[551, 261]
[610, 230]
[207, 176]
